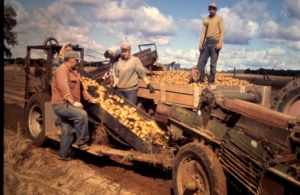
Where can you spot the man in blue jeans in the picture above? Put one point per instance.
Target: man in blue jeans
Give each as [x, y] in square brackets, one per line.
[56, 62]
[213, 35]
[67, 91]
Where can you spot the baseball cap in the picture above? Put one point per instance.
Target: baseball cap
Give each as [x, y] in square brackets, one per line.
[213, 5]
[73, 54]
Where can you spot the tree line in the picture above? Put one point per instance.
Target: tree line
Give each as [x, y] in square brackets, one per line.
[10, 37]
[273, 72]
[260, 71]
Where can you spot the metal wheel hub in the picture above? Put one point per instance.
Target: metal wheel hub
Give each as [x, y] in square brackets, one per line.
[191, 178]
[194, 184]
[35, 121]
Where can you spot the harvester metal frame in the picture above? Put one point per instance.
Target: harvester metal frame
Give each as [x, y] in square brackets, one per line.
[223, 136]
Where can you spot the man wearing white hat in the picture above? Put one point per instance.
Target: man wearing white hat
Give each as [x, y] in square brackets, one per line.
[210, 42]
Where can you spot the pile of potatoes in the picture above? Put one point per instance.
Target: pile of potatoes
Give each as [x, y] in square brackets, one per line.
[147, 130]
[181, 77]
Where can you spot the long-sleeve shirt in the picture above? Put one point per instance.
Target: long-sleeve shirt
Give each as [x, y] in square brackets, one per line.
[66, 81]
[213, 29]
[129, 72]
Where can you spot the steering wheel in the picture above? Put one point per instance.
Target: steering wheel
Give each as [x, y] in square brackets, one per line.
[50, 41]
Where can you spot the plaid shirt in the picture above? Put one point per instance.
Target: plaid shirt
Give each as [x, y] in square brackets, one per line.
[56, 62]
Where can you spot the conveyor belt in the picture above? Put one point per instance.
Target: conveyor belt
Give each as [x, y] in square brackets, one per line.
[126, 134]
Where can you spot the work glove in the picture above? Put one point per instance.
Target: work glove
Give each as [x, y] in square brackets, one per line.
[219, 46]
[95, 101]
[151, 89]
[201, 47]
[77, 105]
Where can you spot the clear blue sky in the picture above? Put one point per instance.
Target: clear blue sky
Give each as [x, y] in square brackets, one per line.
[258, 34]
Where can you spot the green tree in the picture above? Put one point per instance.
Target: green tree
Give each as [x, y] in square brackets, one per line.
[10, 37]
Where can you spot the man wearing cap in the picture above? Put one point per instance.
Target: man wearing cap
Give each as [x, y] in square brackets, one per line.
[210, 42]
[56, 62]
[128, 72]
[66, 96]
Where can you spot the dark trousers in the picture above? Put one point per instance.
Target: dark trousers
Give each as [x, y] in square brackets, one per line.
[209, 51]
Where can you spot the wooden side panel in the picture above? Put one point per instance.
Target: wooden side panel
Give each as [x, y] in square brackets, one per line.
[189, 96]
[144, 93]
[178, 98]
[50, 118]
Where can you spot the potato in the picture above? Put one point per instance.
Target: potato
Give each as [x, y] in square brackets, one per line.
[126, 122]
[114, 105]
[182, 78]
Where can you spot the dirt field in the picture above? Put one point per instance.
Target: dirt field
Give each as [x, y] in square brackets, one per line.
[36, 170]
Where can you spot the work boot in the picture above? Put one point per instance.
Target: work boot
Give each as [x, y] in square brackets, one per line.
[64, 159]
[83, 147]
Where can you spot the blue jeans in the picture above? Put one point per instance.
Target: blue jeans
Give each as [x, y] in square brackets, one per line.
[209, 51]
[130, 95]
[58, 121]
[72, 119]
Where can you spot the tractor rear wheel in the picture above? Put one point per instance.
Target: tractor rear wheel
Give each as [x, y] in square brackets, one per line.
[197, 170]
[287, 100]
[35, 118]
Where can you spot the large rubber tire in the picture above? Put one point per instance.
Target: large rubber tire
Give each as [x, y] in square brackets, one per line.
[197, 170]
[35, 116]
[288, 99]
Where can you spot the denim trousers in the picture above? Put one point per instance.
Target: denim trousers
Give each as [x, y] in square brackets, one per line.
[72, 119]
[58, 121]
[130, 95]
[209, 51]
